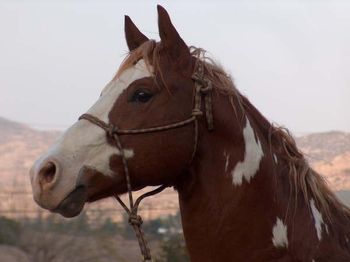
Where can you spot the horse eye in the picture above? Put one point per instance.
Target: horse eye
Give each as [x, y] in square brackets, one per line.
[141, 96]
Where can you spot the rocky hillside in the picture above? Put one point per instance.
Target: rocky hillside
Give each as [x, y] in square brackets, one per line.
[328, 153]
[19, 146]
[325, 146]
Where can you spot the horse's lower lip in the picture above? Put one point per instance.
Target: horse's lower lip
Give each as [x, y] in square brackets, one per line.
[73, 204]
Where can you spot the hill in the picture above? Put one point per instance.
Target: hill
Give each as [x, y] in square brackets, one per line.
[329, 154]
[20, 145]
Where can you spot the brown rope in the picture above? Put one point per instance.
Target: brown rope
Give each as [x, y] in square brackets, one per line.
[134, 219]
[110, 129]
[114, 134]
[203, 87]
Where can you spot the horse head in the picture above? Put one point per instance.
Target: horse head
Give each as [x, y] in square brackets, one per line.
[246, 192]
[153, 87]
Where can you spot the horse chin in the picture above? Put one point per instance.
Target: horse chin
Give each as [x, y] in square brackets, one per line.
[98, 185]
[73, 204]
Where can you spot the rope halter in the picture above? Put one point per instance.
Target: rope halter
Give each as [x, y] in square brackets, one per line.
[203, 88]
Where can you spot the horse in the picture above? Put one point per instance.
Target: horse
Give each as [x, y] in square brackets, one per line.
[172, 117]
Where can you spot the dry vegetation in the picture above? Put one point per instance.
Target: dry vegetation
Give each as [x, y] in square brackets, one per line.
[328, 153]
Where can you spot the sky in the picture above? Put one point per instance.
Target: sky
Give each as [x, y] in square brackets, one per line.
[291, 58]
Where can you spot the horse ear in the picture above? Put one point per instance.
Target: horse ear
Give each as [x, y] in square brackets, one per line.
[134, 38]
[170, 38]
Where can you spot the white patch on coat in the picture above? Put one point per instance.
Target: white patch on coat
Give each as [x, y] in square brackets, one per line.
[275, 158]
[317, 219]
[279, 234]
[326, 226]
[227, 160]
[128, 153]
[84, 143]
[252, 157]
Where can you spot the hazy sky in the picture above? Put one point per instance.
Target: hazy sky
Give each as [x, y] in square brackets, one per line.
[291, 58]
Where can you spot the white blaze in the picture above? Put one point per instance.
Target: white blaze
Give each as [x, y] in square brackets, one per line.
[317, 219]
[85, 144]
[279, 234]
[252, 157]
[113, 90]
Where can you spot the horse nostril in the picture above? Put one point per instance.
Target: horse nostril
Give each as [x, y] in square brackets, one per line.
[47, 173]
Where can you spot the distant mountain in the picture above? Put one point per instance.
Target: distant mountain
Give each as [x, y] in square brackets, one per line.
[325, 146]
[329, 154]
[9, 128]
[20, 145]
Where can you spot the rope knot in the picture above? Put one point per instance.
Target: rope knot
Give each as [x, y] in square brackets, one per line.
[206, 87]
[111, 130]
[199, 80]
[204, 83]
[196, 77]
[135, 220]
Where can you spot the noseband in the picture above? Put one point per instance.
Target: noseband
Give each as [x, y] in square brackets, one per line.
[202, 89]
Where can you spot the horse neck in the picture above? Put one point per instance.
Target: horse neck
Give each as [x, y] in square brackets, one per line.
[220, 214]
[225, 218]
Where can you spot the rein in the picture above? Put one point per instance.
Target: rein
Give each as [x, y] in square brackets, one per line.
[203, 88]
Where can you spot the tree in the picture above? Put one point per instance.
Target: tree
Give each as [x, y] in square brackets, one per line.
[9, 231]
[173, 249]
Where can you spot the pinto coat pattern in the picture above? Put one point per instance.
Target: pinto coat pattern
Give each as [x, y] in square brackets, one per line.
[248, 194]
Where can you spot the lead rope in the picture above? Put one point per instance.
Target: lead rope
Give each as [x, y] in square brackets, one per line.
[134, 219]
[203, 87]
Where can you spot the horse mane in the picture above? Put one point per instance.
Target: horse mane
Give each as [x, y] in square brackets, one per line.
[302, 178]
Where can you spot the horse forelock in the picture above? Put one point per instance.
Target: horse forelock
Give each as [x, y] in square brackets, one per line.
[144, 51]
[149, 52]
